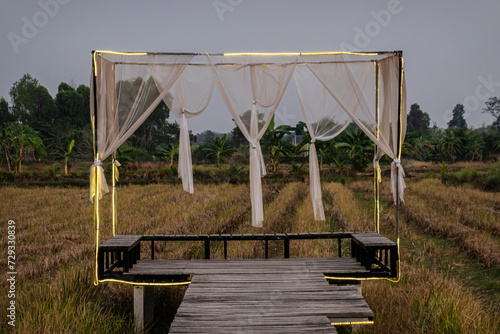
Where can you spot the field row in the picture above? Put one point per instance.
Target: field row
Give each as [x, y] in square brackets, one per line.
[55, 248]
[469, 216]
[437, 292]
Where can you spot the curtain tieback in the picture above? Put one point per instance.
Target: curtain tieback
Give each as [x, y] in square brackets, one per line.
[397, 173]
[97, 163]
[97, 177]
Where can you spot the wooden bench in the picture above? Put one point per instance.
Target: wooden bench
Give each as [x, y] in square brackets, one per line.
[121, 251]
[376, 252]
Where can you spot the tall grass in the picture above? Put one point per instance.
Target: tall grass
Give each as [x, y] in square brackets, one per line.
[430, 205]
[55, 249]
[279, 208]
[346, 209]
[472, 207]
[425, 300]
[56, 252]
[70, 304]
[304, 222]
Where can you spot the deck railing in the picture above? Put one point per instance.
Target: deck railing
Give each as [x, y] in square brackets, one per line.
[376, 253]
[225, 238]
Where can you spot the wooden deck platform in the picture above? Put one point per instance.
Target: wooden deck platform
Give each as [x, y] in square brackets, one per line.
[262, 296]
[277, 295]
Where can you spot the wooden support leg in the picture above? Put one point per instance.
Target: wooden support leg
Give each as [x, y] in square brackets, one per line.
[143, 307]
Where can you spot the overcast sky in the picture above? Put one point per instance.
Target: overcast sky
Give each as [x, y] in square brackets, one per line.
[451, 48]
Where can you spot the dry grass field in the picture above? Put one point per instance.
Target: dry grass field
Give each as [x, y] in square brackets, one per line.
[450, 250]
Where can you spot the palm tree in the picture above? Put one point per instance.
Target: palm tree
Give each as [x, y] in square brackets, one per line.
[216, 148]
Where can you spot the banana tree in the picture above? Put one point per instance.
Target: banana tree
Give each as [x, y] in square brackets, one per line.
[216, 148]
[357, 146]
[66, 156]
[450, 146]
[169, 151]
[16, 140]
[275, 145]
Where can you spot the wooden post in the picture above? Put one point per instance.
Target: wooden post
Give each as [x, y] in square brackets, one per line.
[207, 249]
[286, 254]
[267, 247]
[143, 307]
[339, 241]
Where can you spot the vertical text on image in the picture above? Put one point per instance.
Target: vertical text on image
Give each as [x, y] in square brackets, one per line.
[11, 272]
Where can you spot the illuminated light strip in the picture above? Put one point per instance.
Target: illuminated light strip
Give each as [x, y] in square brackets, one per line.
[340, 53]
[122, 53]
[113, 197]
[96, 221]
[300, 53]
[262, 54]
[145, 284]
[115, 53]
[346, 323]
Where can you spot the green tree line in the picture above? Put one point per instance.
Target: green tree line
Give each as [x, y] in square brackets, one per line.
[457, 142]
[38, 126]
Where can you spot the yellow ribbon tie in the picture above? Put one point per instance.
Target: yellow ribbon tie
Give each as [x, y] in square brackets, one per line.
[116, 164]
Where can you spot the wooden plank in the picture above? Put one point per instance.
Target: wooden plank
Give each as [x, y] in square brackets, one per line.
[120, 241]
[266, 296]
[372, 239]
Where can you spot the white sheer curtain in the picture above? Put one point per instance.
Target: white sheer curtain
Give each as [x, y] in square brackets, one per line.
[324, 118]
[346, 79]
[252, 88]
[126, 95]
[188, 97]
[389, 74]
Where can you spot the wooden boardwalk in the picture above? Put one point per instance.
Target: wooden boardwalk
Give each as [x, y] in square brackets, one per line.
[262, 296]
